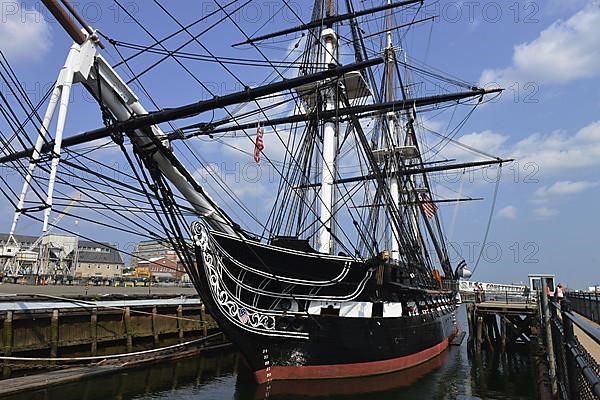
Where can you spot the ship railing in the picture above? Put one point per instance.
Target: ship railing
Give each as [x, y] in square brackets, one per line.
[577, 373]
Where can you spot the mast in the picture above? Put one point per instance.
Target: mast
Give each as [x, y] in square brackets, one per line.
[393, 136]
[330, 135]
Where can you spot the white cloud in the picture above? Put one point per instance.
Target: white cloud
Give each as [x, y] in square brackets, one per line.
[559, 150]
[565, 188]
[537, 153]
[545, 212]
[24, 33]
[563, 52]
[559, 6]
[486, 141]
[508, 212]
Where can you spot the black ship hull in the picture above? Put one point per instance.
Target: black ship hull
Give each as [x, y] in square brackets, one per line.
[358, 338]
[345, 348]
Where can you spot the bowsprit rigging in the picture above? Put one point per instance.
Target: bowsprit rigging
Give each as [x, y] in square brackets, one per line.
[350, 274]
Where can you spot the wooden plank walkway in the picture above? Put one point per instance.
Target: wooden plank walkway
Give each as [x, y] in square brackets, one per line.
[498, 305]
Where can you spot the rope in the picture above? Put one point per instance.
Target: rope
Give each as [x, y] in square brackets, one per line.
[489, 223]
[90, 304]
[111, 356]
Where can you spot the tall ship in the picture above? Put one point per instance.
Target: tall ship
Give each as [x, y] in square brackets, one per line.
[349, 274]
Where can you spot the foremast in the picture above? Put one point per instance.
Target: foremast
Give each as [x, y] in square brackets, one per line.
[329, 43]
[393, 134]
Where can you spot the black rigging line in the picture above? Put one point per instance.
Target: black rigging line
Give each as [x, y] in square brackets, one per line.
[316, 38]
[229, 192]
[35, 113]
[194, 37]
[227, 69]
[59, 178]
[217, 59]
[11, 116]
[489, 222]
[169, 36]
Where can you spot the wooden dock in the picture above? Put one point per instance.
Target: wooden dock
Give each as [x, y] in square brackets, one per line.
[73, 374]
[61, 326]
[498, 325]
[35, 334]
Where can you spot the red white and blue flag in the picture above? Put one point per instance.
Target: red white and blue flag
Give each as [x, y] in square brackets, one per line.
[258, 144]
[428, 206]
[243, 315]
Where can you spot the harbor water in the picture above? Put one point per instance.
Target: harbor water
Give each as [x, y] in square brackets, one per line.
[453, 375]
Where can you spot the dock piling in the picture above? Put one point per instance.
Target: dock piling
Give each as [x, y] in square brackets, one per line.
[8, 340]
[155, 332]
[54, 334]
[549, 345]
[128, 333]
[180, 322]
[203, 320]
[94, 331]
[479, 339]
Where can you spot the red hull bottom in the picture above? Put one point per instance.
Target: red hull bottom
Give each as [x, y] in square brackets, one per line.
[351, 370]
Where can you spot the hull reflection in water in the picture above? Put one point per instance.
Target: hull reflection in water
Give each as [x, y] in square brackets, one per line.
[181, 379]
[338, 387]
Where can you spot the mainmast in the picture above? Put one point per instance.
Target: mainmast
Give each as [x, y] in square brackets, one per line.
[329, 43]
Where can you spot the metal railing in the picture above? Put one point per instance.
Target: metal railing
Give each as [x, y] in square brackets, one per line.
[577, 372]
[586, 304]
[498, 296]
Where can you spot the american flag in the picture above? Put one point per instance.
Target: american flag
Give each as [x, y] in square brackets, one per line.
[243, 315]
[428, 206]
[258, 144]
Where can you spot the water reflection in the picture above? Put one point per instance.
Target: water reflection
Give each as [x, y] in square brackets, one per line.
[453, 375]
[373, 385]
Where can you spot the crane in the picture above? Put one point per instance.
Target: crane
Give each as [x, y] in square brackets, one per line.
[16, 258]
[58, 218]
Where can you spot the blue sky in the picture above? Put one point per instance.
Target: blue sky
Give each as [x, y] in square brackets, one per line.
[545, 53]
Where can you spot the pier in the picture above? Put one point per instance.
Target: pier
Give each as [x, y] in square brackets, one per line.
[573, 345]
[68, 326]
[563, 339]
[78, 337]
[498, 325]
